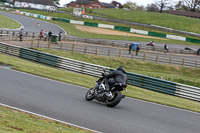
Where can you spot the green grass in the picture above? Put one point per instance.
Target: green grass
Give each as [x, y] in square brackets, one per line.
[68, 16]
[72, 30]
[8, 23]
[12, 121]
[161, 19]
[89, 81]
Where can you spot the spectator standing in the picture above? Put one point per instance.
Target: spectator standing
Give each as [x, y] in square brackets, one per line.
[130, 47]
[166, 48]
[41, 34]
[59, 36]
[21, 34]
[137, 50]
[49, 35]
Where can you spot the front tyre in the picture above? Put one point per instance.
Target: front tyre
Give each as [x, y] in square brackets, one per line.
[117, 96]
[89, 95]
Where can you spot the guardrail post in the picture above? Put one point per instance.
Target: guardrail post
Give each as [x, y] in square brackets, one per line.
[144, 58]
[183, 62]
[156, 58]
[97, 51]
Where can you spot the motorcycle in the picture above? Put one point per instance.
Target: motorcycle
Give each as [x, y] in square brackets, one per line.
[111, 97]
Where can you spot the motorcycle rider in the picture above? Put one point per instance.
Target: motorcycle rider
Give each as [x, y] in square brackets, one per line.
[117, 76]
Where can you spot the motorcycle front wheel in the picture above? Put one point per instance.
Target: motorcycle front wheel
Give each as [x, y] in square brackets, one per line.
[117, 96]
[89, 95]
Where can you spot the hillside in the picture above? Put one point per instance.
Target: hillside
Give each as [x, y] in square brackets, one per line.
[161, 19]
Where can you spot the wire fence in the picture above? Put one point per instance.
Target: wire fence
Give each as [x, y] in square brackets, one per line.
[115, 52]
[14, 36]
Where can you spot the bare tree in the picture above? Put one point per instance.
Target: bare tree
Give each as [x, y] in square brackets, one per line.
[191, 5]
[152, 8]
[162, 4]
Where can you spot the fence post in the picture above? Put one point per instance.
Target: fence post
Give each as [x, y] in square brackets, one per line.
[61, 47]
[144, 58]
[32, 43]
[73, 48]
[183, 62]
[156, 58]
[13, 34]
[108, 52]
[38, 43]
[120, 54]
[49, 44]
[170, 59]
[85, 49]
[97, 51]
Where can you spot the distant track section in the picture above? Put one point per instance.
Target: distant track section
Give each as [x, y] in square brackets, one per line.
[31, 24]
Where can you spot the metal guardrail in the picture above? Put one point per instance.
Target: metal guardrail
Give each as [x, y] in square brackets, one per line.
[142, 81]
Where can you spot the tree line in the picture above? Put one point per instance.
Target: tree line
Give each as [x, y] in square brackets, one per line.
[166, 5]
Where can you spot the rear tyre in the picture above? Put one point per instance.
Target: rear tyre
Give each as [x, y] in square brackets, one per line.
[117, 96]
[89, 95]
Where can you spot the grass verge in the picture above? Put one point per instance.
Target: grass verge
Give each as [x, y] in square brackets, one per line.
[13, 121]
[88, 81]
[8, 23]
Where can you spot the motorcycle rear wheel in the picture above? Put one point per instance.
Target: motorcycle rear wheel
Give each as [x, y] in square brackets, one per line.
[89, 95]
[115, 100]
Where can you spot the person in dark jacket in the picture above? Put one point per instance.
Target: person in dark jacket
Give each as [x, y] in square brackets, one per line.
[49, 35]
[117, 76]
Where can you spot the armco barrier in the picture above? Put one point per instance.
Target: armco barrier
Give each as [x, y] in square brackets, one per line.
[192, 40]
[142, 81]
[150, 83]
[122, 28]
[157, 34]
[91, 24]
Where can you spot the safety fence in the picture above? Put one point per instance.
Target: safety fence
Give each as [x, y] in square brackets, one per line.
[142, 81]
[14, 36]
[127, 29]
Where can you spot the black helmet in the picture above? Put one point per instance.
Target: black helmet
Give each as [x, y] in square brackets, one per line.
[121, 68]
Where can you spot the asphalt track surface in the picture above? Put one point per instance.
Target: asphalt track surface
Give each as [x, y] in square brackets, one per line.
[30, 24]
[66, 102]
